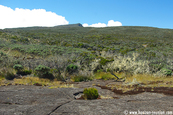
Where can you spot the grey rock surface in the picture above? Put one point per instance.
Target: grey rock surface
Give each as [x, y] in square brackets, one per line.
[36, 100]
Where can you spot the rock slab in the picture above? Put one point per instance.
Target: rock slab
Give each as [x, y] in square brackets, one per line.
[36, 100]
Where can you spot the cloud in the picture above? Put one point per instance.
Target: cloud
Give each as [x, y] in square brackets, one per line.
[114, 23]
[26, 18]
[110, 23]
[85, 25]
[98, 25]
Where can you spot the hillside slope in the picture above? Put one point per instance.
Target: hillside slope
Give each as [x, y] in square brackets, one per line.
[139, 49]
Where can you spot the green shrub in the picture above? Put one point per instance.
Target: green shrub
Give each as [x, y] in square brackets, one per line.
[59, 77]
[43, 72]
[9, 76]
[42, 68]
[81, 78]
[103, 61]
[71, 68]
[26, 72]
[18, 67]
[90, 93]
[166, 72]
[17, 62]
[99, 70]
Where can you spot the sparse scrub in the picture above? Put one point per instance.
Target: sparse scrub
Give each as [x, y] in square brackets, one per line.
[138, 49]
[7, 73]
[128, 64]
[81, 78]
[9, 76]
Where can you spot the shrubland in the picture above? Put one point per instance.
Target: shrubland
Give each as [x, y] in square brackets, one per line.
[79, 53]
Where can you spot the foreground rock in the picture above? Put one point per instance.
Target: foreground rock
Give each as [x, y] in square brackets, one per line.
[36, 100]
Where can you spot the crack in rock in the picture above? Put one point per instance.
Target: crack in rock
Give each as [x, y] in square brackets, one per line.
[9, 103]
[58, 107]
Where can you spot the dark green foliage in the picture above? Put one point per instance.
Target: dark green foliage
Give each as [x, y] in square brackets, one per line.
[3, 56]
[47, 75]
[18, 67]
[81, 78]
[17, 62]
[90, 93]
[59, 78]
[43, 72]
[26, 72]
[99, 70]
[42, 68]
[20, 71]
[166, 72]
[126, 50]
[71, 68]
[9, 76]
[156, 67]
[103, 61]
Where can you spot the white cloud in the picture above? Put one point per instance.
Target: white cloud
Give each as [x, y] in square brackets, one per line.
[98, 25]
[26, 18]
[114, 23]
[85, 25]
[110, 23]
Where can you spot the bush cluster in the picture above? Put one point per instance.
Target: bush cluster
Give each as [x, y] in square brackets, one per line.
[87, 44]
[71, 68]
[20, 70]
[90, 93]
[166, 72]
[9, 76]
[43, 72]
[81, 78]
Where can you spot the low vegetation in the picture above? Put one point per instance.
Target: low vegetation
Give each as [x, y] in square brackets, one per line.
[90, 93]
[83, 54]
[43, 72]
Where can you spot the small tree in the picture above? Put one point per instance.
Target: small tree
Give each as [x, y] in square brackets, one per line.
[103, 62]
[18, 68]
[71, 68]
[43, 72]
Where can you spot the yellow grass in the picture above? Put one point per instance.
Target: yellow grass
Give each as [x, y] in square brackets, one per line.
[106, 97]
[144, 80]
[108, 75]
[149, 79]
[36, 80]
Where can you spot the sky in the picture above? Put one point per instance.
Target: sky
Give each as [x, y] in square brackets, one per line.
[90, 13]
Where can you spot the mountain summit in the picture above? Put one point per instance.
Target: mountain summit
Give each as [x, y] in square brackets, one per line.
[71, 25]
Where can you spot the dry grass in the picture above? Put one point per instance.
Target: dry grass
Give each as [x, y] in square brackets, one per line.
[131, 82]
[149, 79]
[108, 75]
[144, 80]
[34, 81]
